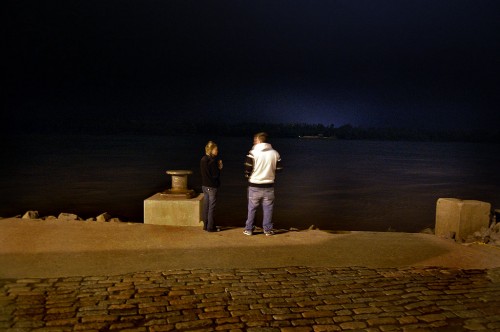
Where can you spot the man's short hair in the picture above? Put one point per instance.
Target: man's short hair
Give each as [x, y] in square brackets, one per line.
[262, 137]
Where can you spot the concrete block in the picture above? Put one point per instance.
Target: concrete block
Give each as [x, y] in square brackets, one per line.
[460, 218]
[162, 210]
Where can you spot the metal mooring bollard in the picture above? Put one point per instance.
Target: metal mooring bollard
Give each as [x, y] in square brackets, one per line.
[179, 185]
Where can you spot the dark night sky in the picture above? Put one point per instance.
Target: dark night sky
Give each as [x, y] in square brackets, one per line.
[425, 63]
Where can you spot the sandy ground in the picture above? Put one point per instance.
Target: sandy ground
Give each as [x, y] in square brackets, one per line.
[37, 248]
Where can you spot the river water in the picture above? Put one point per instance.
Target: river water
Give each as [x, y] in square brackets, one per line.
[332, 184]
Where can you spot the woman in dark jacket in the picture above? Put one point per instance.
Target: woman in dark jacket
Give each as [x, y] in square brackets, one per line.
[210, 167]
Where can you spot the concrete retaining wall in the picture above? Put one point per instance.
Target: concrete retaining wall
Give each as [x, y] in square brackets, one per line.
[456, 218]
[160, 210]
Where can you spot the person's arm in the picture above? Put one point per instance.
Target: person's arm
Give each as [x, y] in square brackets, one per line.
[279, 165]
[214, 170]
[249, 165]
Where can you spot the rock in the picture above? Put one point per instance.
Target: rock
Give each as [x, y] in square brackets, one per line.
[496, 215]
[50, 218]
[31, 215]
[115, 220]
[90, 219]
[312, 227]
[103, 217]
[427, 231]
[485, 235]
[67, 216]
[495, 239]
[293, 229]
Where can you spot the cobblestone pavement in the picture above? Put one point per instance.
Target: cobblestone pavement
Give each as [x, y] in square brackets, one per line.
[278, 299]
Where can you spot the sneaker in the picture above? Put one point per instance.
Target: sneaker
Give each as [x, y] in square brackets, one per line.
[247, 232]
[270, 233]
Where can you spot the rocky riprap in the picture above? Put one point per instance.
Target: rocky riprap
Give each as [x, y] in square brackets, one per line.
[490, 235]
[63, 216]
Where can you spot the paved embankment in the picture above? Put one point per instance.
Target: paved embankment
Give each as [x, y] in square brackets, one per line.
[78, 276]
[284, 299]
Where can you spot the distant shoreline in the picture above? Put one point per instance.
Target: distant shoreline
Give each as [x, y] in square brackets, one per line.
[276, 130]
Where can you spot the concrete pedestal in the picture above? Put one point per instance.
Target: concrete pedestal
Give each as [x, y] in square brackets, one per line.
[460, 218]
[162, 210]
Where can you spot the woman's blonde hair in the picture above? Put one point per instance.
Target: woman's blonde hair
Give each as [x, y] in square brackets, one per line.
[209, 147]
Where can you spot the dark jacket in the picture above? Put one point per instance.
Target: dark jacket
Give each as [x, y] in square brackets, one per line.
[210, 172]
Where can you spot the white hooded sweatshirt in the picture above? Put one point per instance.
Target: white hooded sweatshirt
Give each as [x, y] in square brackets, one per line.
[261, 164]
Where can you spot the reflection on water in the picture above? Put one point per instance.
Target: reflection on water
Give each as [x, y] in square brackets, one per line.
[340, 185]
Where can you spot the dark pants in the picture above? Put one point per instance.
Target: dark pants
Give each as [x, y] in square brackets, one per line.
[209, 201]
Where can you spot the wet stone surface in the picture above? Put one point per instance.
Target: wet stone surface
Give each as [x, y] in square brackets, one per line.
[280, 299]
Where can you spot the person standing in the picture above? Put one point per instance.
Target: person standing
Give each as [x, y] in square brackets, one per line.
[210, 167]
[261, 165]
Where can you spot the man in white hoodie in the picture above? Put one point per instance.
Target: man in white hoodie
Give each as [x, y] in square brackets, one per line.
[261, 165]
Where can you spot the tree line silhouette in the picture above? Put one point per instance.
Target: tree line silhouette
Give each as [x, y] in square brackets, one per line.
[285, 130]
[321, 131]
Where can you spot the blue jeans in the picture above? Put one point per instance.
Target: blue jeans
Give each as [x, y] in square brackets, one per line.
[256, 197]
[209, 201]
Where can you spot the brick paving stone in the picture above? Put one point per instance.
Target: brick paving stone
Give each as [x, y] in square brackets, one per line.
[28, 324]
[280, 323]
[50, 317]
[342, 319]
[213, 308]
[381, 321]
[122, 309]
[418, 304]
[302, 322]
[229, 327]
[324, 320]
[326, 328]
[468, 313]
[287, 316]
[90, 326]
[161, 328]
[62, 322]
[121, 326]
[275, 311]
[156, 309]
[181, 318]
[364, 317]
[367, 310]
[189, 325]
[329, 307]
[494, 326]
[317, 314]
[99, 319]
[432, 317]
[248, 318]
[297, 329]
[60, 310]
[353, 325]
[214, 314]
